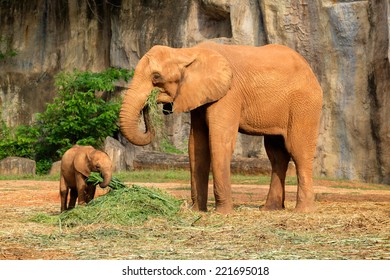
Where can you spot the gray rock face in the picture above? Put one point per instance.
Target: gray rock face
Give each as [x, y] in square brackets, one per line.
[116, 152]
[17, 166]
[241, 165]
[346, 42]
[55, 168]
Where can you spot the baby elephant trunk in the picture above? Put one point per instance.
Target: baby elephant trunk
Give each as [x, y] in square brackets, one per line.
[106, 179]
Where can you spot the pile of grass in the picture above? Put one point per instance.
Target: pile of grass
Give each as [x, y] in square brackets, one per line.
[124, 206]
[121, 206]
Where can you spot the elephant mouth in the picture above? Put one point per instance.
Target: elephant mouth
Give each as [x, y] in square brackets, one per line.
[167, 108]
[165, 99]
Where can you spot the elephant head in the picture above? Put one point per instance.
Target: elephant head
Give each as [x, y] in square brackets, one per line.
[91, 160]
[186, 77]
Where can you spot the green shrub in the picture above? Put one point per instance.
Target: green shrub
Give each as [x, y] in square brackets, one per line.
[76, 116]
[167, 147]
[19, 142]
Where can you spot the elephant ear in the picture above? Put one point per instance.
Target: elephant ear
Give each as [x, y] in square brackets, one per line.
[206, 78]
[81, 164]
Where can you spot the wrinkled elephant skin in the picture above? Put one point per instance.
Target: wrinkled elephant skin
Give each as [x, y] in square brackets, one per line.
[269, 90]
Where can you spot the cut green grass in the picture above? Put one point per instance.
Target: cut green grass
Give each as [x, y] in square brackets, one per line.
[122, 206]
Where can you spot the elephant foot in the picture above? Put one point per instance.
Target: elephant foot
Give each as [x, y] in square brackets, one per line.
[82, 203]
[198, 208]
[272, 207]
[69, 208]
[224, 209]
[302, 208]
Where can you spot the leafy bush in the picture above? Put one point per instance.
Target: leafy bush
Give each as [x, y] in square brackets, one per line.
[76, 116]
[19, 142]
[167, 147]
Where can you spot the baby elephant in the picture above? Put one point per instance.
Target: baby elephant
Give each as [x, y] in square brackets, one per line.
[76, 165]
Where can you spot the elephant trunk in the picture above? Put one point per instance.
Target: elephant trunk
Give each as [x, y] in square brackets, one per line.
[130, 113]
[107, 176]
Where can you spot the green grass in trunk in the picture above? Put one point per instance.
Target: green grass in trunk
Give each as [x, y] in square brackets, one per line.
[154, 111]
[95, 179]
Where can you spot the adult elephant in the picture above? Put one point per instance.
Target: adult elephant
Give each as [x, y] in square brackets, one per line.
[77, 163]
[269, 90]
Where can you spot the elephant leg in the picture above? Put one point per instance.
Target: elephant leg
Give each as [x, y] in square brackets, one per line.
[73, 198]
[305, 193]
[81, 189]
[221, 158]
[90, 193]
[303, 156]
[199, 154]
[279, 158]
[222, 142]
[63, 194]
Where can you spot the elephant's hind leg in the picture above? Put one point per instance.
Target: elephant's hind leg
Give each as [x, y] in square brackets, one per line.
[305, 193]
[279, 158]
[63, 194]
[303, 155]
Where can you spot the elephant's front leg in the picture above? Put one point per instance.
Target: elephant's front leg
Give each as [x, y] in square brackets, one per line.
[81, 189]
[199, 154]
[222, 141]
[90, 191]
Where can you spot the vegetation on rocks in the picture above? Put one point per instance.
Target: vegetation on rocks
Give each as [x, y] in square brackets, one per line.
[76, 116]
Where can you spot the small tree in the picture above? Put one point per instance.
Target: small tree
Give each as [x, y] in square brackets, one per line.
[76, 116]
[19, 142]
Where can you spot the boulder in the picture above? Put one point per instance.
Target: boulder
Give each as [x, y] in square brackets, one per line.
[55, 168]
[256, 166]
[17, 166]
[160, 161]
[116, 152]
[131, 151]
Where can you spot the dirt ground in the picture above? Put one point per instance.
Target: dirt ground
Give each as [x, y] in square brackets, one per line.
[19, 199]
[24, 193]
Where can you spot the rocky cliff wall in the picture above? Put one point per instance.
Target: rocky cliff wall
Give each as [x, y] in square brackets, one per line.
[345, 41]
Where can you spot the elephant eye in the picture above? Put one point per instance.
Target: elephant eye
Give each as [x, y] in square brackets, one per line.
[156, 77]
